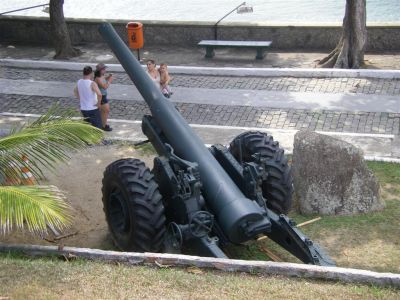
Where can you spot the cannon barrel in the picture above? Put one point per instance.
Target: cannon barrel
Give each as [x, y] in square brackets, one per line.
[235, 213]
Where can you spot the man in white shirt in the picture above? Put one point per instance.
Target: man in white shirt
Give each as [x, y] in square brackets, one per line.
[89, 95]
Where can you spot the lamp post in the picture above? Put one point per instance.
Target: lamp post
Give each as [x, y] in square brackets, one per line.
[240, 9]
[25, 8]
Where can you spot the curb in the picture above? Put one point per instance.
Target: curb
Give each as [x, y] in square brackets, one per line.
[287, 152]
[225, 265]
[213, 71]
[388, 159]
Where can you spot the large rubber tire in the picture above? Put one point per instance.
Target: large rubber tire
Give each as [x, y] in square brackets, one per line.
[278, 188]
[133, 206]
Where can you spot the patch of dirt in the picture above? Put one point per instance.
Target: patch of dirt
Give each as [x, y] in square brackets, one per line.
[390, 192]
[80, 179]
[370, 244]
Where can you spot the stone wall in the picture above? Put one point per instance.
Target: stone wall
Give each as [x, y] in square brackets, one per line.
[33, 30]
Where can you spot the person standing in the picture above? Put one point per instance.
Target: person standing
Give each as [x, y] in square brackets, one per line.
[153, 73]
[104, 83]
[89, 96]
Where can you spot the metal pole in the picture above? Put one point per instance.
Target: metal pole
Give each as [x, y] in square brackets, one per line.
[216, 24]
[138, 54]
[25, 8]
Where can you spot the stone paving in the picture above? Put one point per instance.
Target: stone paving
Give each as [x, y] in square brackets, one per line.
[284, 84]
[324, 120]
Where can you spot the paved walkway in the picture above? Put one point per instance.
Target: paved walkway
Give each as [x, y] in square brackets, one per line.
[375, 146]
[365, 112]
[232, 97]
[376, 86]
[261, 117]
[355, 105]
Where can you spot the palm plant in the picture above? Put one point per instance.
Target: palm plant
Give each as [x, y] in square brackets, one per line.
[46, 142]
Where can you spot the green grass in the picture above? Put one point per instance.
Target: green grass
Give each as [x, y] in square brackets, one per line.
[388, 174]
[368, 241]
[50, 278]
[146, 149]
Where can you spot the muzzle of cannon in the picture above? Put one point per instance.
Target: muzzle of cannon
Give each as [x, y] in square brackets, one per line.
[196, 197]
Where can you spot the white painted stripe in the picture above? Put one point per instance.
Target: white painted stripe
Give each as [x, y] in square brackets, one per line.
[289, 131]
[287, 152]
[220, 71]
[9, 114]
[224, 127]
[376, 135]
[22, 115]
[125, 121]
[383, 159]
[389, 136]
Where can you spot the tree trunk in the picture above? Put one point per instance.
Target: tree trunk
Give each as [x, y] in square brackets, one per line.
[349, 52]
[59, 31]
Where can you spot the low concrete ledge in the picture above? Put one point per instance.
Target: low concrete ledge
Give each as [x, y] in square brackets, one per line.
[226, 265]
[35, 30]
[287, 72]
[213, 71]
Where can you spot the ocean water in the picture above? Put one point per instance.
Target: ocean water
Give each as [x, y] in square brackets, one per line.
[272, 11]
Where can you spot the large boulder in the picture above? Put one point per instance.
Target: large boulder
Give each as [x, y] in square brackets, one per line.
[331, 177]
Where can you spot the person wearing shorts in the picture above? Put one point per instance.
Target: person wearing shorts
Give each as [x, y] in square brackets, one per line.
[103, 81]
[89, 96]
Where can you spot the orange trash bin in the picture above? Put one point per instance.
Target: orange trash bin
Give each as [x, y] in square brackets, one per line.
[135, 35]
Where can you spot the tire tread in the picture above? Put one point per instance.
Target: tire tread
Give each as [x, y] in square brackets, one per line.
[278, 188]
[144, 201]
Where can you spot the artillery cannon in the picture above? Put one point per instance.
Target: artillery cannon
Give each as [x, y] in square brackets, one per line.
[198, 197]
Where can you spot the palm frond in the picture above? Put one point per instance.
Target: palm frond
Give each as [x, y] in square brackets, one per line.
[45, 142]
[33, 208]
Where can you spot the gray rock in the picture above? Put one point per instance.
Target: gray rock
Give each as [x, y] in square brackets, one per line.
[331, 177]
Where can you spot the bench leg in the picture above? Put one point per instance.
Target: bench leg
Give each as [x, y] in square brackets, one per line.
[209, 52]
[260, 53]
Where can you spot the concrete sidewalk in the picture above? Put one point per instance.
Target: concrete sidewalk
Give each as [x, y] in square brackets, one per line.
[224, 115]
[229, 97]
[364, 112]
[382, 147]
[355, 105]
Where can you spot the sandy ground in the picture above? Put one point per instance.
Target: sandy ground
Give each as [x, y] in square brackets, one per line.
[194, 56]
[80, 179]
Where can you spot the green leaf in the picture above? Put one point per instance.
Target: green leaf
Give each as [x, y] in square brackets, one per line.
[46, 141]
[33, 208]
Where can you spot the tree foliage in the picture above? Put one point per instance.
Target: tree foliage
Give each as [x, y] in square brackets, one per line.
[46, 142]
